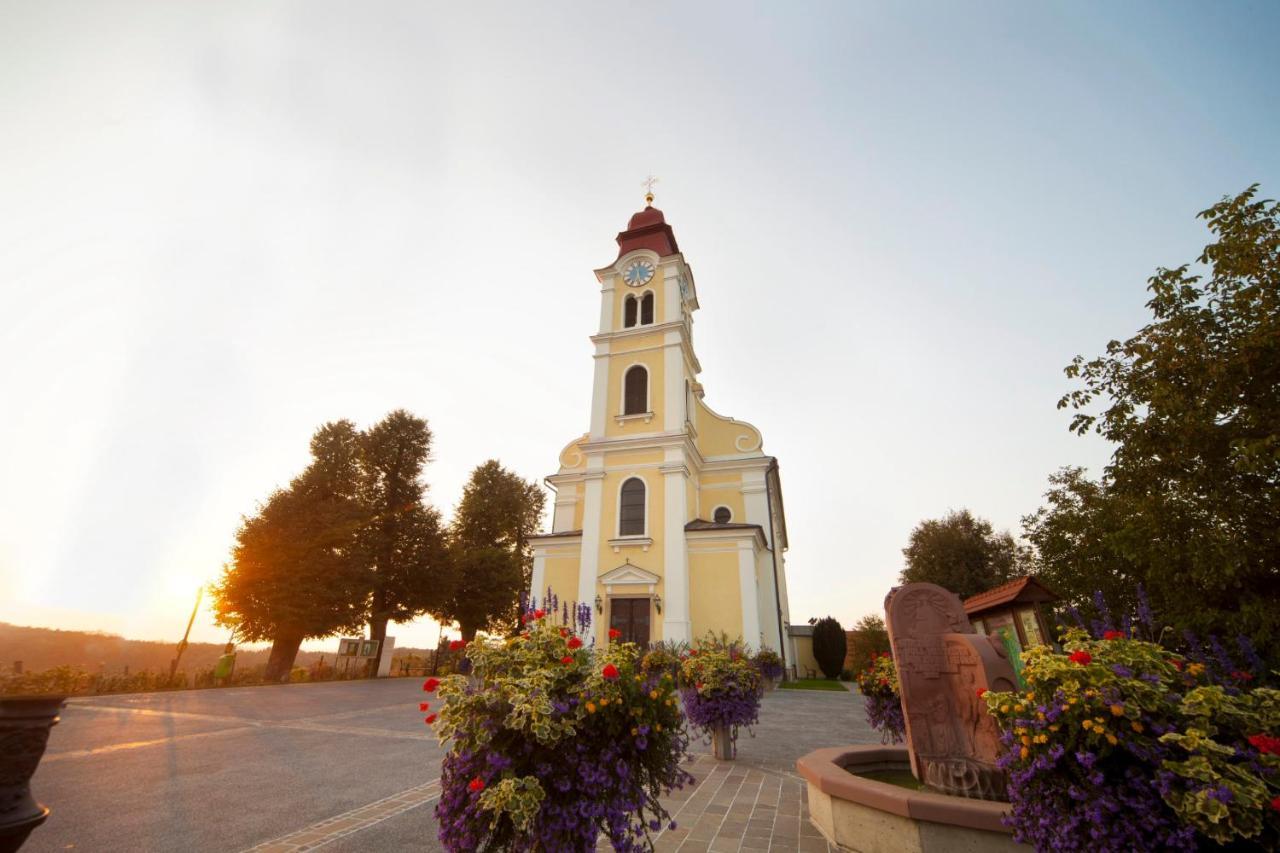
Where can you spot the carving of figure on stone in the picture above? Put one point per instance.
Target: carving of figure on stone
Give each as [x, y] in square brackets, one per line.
[942, 664]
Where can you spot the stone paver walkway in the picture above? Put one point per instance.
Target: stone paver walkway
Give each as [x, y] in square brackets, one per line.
[734, 808]
[349, 767]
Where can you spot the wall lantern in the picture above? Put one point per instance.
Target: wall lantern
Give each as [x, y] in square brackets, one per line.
[657, 603]
[599, 604]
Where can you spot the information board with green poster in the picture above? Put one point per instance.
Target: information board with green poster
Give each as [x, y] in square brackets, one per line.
[1014, 649]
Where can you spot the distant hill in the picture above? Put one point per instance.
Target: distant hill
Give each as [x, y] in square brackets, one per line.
[44, 648]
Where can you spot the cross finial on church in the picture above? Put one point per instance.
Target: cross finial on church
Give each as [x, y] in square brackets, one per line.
[648, 183]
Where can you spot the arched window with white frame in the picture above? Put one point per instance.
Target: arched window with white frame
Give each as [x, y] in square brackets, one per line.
[646, 309]
[629, 309]
[631, 508]
[635, 391]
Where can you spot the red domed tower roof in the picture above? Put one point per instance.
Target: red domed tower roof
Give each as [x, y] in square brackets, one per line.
[648, 229]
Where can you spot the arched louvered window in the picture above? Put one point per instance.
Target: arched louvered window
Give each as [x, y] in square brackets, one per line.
[646, 309]
[635, 391]
[723, 515]
[629, 312]
[631, 508]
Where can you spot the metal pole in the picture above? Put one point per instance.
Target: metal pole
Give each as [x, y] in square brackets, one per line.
[182, 646]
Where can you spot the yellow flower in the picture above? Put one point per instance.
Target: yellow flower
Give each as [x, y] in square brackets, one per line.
[657, 726]
[1112, 739]
[1042, 738]
[1004, 709]
[668, 703]
[1100, 721]
[1073, 700]
[1066, 708]
[653, 694]
[1039, 715]
[1018, 709]
[1117, 710]
[1026, 740]
[604, 702]
[1054, 727]
[635, 732]
[1088, 724]
[1137, 726]
[1025, 752]
[1195, 668]
[591, 707]
[639, 679]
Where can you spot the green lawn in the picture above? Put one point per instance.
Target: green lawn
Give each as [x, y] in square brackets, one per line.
[813, 684]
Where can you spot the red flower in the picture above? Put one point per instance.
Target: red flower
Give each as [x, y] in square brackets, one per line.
[610, 671]
[693, 653]
[429, 719]
[574, 643]
[1275, 804]
[614, 633]
[1177, 664]
[431, 684]
[1081, 657]
[476, 784]
[538, 614]
[884, 682]
[524, 618]
[567, 659]
[1241, 675]
[454, 645]
[564, 632]
[698, 685]
[1113, 635]
[423, 706]
[1265, 744]
[982, 691]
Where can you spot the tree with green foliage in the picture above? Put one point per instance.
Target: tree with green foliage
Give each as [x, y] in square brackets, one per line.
[868, 638]
[402, 543]
[829, 646]
[296, 571]
[963, 554]
[1190, 502]
[492, 560]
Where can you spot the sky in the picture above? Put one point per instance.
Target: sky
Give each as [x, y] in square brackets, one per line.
[225, 224]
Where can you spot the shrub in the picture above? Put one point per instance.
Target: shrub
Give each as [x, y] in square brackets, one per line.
[1120, 744]
[769, 663]
[551, 743]
[829, 646]
[721, 690]
[878, 684]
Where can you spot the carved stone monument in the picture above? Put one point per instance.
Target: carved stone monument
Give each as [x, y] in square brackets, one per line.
[942, 664]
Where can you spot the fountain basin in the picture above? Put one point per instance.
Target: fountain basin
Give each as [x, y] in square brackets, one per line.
[869, 816]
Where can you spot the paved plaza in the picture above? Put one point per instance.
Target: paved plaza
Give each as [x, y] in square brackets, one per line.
[350, 766]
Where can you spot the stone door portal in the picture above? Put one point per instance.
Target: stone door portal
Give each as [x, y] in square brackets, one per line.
[631, 617]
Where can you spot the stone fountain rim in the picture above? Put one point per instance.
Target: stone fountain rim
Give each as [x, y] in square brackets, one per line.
[828, 769]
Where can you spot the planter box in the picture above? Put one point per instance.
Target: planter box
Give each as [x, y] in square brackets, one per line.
[25, 722]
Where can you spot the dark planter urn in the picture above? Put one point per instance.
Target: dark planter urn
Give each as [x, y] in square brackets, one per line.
[25, 722]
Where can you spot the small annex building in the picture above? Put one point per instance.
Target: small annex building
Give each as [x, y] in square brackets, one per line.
[668, 516]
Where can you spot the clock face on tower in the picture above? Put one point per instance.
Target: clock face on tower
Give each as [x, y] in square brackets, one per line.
[637, 273]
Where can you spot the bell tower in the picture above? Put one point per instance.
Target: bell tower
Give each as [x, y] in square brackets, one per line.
[668, 517]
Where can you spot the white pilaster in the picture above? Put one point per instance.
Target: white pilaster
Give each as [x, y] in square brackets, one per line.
[671, 311]
[673, 377]
[589, 563]
[562, 519]
[675, 558]
[755, 499]
[600, 392]
[747, 585]
[539, 573]
[606, 303]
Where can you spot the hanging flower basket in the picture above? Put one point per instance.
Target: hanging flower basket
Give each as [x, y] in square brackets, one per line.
[721, 693]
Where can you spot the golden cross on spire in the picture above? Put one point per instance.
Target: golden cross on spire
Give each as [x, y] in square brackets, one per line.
[648, 183]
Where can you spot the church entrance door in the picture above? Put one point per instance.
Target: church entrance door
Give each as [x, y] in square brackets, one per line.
[630, 616]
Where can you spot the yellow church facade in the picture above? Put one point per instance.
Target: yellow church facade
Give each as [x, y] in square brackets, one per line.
[668, 517]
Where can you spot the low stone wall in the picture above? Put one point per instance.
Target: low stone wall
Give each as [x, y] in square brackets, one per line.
[863, 815]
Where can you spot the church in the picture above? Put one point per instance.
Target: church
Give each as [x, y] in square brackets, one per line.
[668, 517]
